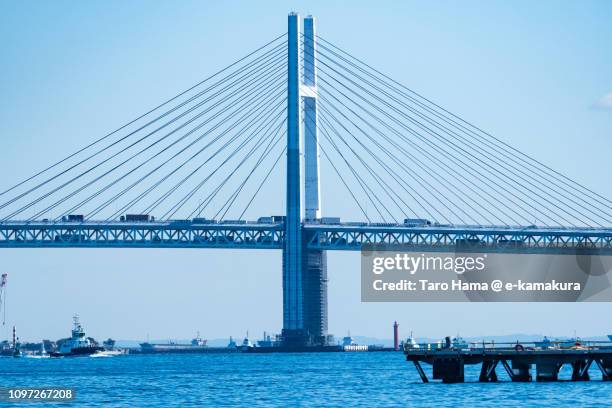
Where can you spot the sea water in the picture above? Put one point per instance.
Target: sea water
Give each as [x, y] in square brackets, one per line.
[301, 379]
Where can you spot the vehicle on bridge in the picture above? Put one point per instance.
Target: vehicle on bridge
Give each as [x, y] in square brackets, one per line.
[416, 222]
[137, 218]
[73, 218]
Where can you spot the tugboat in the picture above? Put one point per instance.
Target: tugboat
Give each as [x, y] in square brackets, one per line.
[78, 344]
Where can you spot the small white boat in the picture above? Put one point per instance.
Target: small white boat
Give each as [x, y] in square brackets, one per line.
[41, 354]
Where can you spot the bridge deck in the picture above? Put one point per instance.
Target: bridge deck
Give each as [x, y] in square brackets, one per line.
[346, 236]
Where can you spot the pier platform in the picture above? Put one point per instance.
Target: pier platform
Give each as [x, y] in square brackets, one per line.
[517, 359]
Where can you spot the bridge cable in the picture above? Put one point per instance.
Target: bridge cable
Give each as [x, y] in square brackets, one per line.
[146, 161]
[254, 148]
[437, 176]
[405, 164]
[391, 82]
[95, 142]
[369, 193]
[181, 202]
[434, 160]
[458, 147]
[376, 157]
[212, 195]
[264, 98]
[282, 153]
[65, 171]
[235, 109]
[260, 107]
[392, 173]
[379, 161]
[483, 153]
[230, 202]
[370, 170]
[577, 196]
[108, 159]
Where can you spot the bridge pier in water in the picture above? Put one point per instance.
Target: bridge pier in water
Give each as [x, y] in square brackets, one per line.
[315, 295]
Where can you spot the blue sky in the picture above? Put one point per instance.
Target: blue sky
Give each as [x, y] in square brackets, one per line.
[535, 74]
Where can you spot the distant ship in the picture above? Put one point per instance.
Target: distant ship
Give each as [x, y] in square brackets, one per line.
[232, 343]
[42, 353]
[610, 337]
[197, 344]
[411, 343]
[348, 340]
[546, 343]
[246, 344]
[460, 343]
[78, 344]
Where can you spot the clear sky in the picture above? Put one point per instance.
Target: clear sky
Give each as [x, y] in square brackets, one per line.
[535, 74]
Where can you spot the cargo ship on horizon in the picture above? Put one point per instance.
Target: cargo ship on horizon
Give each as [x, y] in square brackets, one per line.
[197, 344]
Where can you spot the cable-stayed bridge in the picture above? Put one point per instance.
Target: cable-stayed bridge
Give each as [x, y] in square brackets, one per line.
[269, 128]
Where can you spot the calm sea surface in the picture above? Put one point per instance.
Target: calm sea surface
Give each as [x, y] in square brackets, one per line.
[314, 379]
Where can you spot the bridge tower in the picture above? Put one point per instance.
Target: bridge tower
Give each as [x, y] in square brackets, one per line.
[314, 261]
[304, 270]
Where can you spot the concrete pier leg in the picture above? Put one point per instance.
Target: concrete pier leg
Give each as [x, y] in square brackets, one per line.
[449, 370]
[580, 370]
[521, 372]
[487, 371]
[421, 371]
[547, 371]
[605, 366]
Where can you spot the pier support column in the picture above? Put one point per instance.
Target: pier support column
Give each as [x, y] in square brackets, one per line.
[449, 370]
[547, 371]
[580, 370]
[521, 372]
[605, 366]
[421, 372]
[487, 371]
